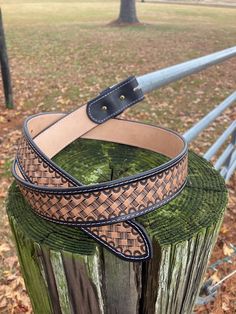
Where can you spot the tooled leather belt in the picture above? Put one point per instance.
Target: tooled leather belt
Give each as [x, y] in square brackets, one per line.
[106, 211]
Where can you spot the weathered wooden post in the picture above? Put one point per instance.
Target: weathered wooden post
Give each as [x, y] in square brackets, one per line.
[6, 77]
[65, 271]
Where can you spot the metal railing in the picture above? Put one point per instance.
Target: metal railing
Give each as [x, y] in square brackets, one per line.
[226, 163]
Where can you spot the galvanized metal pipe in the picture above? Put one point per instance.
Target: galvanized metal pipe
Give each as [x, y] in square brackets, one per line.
[232, 159]
[230, 171]
[154, 80]
[224, 156]
[193, 132]
[157, 79]
[221, 140]
[233, 141]
[223, 172]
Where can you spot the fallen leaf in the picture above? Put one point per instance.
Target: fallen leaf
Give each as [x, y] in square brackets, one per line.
[3, 302]
[225, 307]
[4, 248]
[224, 229]
[215, 278]
[227, 250]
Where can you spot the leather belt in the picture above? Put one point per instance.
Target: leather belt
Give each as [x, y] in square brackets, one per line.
[106, 211]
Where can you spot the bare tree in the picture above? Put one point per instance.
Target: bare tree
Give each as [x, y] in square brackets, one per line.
[128, 13]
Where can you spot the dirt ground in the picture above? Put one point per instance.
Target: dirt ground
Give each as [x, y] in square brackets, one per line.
[63, 54]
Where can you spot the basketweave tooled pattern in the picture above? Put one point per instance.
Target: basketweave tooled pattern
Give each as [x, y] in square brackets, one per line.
[122, 237]
[37, 170]
[127, 200]
[100, 206]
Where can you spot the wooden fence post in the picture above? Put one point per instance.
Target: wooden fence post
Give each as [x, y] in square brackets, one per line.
[6, 77]
[65, 271]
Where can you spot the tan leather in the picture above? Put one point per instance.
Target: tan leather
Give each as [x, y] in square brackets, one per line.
[105, 211]
[77, 124]
[70, 127]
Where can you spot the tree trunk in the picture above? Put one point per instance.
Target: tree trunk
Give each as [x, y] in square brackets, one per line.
[6, 77]
[128, 12]
[65, 271]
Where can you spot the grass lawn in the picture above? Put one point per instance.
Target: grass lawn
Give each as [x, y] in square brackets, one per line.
[62, 53]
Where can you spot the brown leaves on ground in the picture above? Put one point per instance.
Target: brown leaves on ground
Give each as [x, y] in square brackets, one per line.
[13, 296]
[227, 250]
[225, 302]
[62, 65]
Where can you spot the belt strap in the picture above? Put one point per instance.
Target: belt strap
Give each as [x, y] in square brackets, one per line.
[106, 211]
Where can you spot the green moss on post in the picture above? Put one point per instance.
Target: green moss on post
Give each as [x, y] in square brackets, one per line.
[72, 274]
[31, 270]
